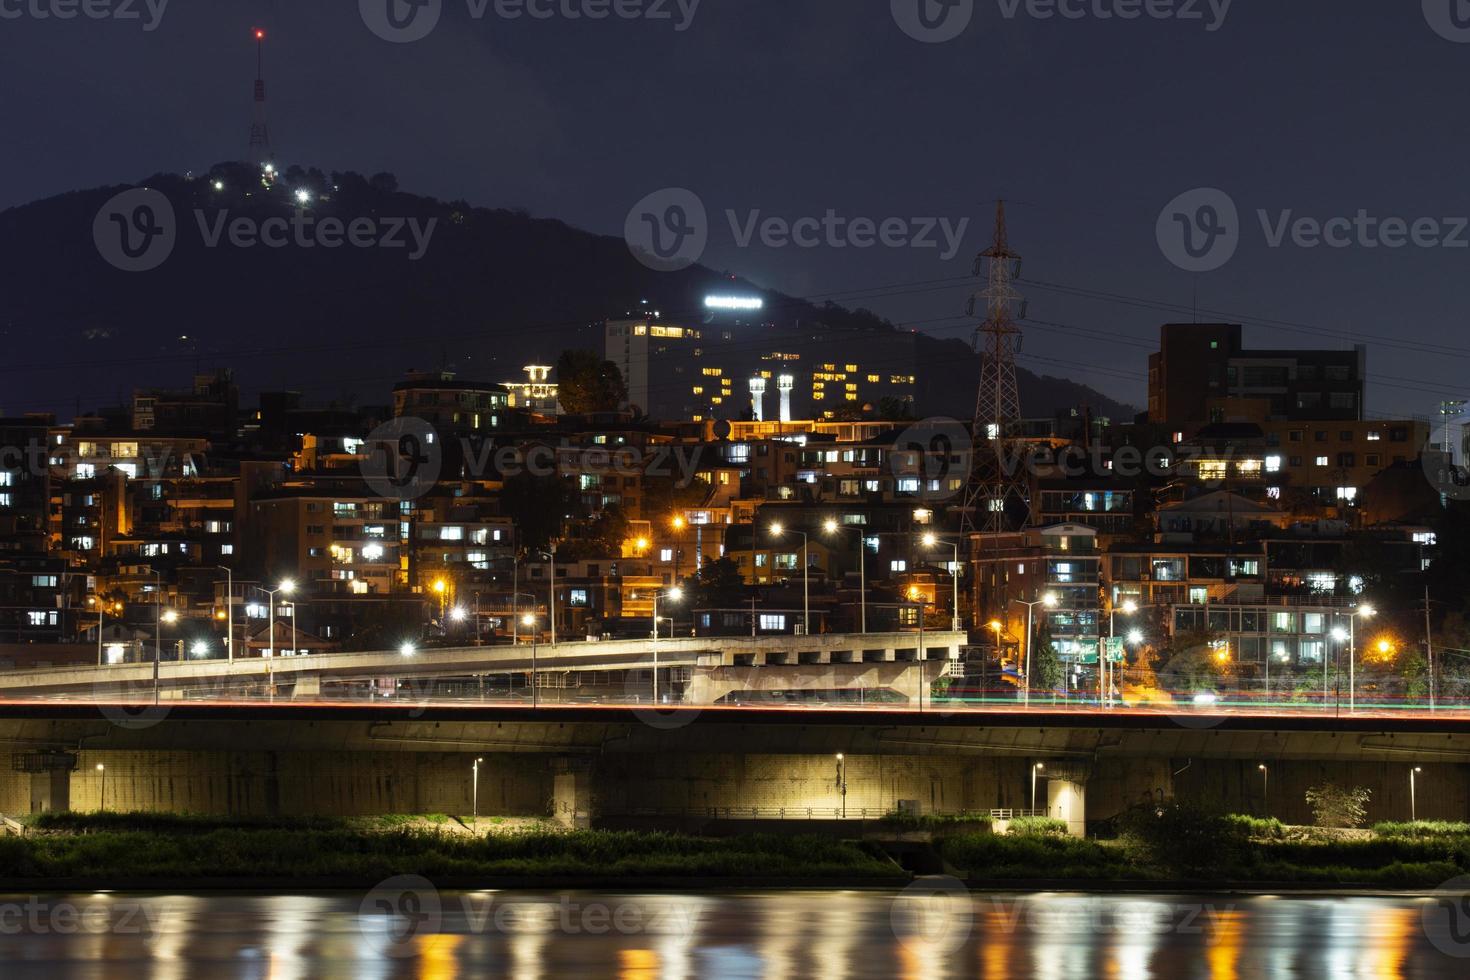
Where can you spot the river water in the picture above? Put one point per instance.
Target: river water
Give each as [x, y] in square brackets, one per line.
[934, 930]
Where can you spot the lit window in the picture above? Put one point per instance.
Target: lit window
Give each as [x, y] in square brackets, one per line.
[1273, 464]
[898, 565]
[1321, 460]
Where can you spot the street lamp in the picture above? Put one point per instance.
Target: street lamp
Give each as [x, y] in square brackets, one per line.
[1130, 608]
[930, 541]
[1265, 789]
[229, 611]
[287, 586]
[1049, 601]
[475, 803]
[806, 623]
[1413, 801]
[102, 774]
[529, 620]
[842, 782]
[1340, 636]
[675, 594]
[1035, 768]
[1366, 612]
[832, 527]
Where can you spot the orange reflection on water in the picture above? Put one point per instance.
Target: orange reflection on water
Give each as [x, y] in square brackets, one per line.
[438, 955]
[1388, 943]
[997, 940]
[1226, 931]
[637, 964]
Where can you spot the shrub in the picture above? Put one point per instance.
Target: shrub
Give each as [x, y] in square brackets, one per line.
[1188, 837]
[1035, 856]
[1037, 827]
[1337, 806]
[970, 820]
[1257, 828]
[1422, 828]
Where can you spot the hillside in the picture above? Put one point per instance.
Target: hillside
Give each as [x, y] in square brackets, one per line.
[492, 291]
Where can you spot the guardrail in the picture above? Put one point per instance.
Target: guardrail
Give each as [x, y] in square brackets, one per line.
[13, 827]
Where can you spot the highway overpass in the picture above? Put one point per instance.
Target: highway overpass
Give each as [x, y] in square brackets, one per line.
[700, 670]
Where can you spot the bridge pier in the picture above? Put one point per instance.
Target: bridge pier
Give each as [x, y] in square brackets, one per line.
[307, 686]
[571, 792]
[1066, 794]
[50, 792]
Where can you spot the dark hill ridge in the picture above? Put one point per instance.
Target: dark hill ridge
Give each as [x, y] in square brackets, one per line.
[494, 290]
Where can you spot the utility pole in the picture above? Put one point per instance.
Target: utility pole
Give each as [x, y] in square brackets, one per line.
[1429, 646]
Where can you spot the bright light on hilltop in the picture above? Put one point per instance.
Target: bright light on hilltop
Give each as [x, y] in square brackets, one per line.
[734, 303]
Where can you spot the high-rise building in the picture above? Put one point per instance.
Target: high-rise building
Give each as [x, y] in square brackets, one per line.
[1203, 373]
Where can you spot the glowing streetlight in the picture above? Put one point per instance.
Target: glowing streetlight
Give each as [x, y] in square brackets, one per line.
[102, 775]
[1035, 768]
[1413, 800]
[676, 594]
[457, 614]
[931, 540]
[832, 527]
[303, 196]
[1135, 637]
[407, 650]
[777, 530]
[1049, 600]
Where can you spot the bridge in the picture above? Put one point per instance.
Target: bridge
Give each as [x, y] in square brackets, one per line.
[697, 670]
[713, 767]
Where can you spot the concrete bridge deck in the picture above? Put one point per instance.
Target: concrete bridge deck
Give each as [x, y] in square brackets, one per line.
[305, 674]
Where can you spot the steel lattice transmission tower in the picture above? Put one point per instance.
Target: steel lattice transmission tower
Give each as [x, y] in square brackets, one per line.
[997, 496]
[260, 137]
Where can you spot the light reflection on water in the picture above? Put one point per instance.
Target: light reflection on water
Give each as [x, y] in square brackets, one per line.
[834, 935]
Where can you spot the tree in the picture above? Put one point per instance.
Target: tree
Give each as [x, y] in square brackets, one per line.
[718, 582]
[587, 383]
[1336, 806]
[1046, 666]
[538, 505]
[892, 409]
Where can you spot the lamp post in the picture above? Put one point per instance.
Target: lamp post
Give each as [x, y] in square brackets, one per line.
[530, 620]
[475, 797]
[806, 623]
[678, 524]
[287, 586]
[930, 541]
[229, 612]
[1049, 601]
[1265, 789]
[1413, 801]
[102, 773]
[1130, 608]
[168, 616]
[1035, 768]
[675, 594]
[842, 782]
[832, 527]
[1367, 612]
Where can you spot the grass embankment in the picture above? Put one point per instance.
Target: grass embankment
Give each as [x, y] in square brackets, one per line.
[1185, 843]
[139, 847]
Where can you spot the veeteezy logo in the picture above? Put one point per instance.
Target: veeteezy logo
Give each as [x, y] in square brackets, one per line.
[1200, 230]
[936, 21]
[137, 229]
[669, 230]
[406, 21]
[1450, 19]
[148, 13]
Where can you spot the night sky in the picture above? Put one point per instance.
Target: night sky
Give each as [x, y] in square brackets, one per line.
[1089, 126]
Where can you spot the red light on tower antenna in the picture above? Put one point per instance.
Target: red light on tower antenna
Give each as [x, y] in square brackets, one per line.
[259, 34]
